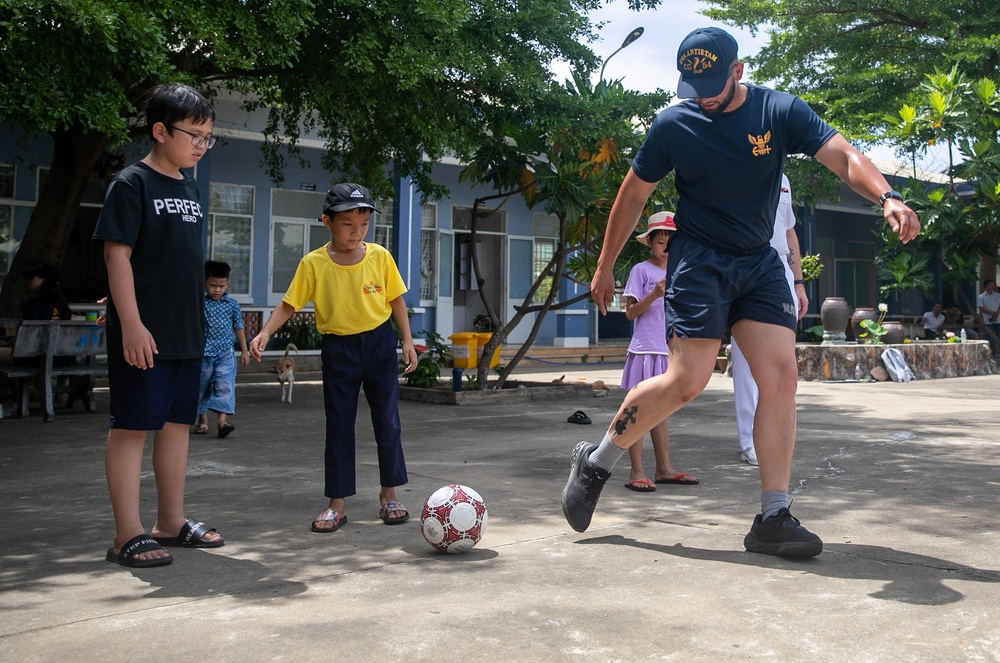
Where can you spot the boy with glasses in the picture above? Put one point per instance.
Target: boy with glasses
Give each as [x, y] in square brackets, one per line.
[151, 229]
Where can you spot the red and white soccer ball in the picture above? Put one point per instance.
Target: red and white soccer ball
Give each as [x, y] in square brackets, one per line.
[453, 518]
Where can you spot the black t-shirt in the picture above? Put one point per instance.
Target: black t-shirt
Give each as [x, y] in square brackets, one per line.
[161, 219]
[729, 165]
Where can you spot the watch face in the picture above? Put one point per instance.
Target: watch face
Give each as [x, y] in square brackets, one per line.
[890, 194]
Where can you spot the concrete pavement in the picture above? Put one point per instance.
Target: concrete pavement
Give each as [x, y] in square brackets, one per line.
[900, 480]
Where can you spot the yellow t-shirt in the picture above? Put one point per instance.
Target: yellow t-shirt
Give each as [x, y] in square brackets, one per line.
[347, 299]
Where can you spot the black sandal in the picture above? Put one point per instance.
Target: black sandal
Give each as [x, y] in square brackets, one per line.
[138, 544]
[579, 417]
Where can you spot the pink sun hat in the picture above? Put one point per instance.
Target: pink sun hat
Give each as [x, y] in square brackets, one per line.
[658, 221]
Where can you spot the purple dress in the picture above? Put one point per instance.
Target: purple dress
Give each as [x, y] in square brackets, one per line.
[647, 352]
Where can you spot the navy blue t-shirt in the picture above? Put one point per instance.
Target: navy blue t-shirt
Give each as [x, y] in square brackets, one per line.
[728, 167]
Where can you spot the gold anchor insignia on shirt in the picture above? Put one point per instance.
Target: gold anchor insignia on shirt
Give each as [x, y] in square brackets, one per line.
[760, 144]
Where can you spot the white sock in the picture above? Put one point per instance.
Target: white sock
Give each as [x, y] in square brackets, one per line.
[606, 454]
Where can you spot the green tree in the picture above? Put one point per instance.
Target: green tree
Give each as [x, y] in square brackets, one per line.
[855, 62]
[78, 70]
[569, 160]
[961, 219]
[905, 271]
[389, 82]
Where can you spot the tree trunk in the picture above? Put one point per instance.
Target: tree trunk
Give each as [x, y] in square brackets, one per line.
[75, 157]
[554, 268]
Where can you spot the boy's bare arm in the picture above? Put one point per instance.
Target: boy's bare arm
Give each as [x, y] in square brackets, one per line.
[138, 345]
[279, 316]
[402, 321]
[244, 352]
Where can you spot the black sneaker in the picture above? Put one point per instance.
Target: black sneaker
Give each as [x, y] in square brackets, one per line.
[579, 497]
[782, 535]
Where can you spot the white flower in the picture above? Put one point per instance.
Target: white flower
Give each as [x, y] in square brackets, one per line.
[883, 307]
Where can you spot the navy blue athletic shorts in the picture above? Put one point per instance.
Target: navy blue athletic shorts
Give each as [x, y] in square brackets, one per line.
[147, 399]
[709, 291]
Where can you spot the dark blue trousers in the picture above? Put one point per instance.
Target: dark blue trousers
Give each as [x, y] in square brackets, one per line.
[351, 363]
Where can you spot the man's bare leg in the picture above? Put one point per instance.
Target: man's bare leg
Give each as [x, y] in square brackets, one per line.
[645, 406]
[770, 354]
[653, 400]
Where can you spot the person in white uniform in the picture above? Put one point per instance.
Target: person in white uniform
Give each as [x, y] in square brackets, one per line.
[786, 243]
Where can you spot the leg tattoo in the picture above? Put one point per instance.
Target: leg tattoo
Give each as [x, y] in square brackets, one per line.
[628, 417]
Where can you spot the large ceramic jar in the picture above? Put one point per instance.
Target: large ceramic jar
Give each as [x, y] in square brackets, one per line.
[834, 313]
[859, 315]
[894, 333]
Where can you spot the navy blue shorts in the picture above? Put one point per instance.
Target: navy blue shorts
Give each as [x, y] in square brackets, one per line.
[710, 291]
[147, 399]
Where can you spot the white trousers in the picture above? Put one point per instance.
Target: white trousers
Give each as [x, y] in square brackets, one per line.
[745, 391]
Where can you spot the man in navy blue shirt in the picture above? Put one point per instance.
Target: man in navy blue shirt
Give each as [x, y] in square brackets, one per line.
[727, 144]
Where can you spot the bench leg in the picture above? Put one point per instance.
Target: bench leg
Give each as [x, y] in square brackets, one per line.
[45, 398]
[21, 396]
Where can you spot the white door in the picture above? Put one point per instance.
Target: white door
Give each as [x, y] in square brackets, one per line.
[444, 322]
[520, 276]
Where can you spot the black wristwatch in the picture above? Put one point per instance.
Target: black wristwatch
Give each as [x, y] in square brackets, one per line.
[889, 194]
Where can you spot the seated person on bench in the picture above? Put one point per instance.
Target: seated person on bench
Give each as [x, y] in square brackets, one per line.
[46, 303]
[954, 322]
[933, 322]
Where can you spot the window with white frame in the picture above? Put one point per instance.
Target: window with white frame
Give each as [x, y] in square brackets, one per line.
[428, 252]
[489, 220]
[7, 172]
[230, 232]
[382, 223]
[295, 231]
[545, 228]
[9, 241]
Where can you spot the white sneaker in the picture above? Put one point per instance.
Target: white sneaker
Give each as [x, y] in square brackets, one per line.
[749, 456]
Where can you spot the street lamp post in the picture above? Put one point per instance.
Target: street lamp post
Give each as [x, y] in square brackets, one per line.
[632, 36]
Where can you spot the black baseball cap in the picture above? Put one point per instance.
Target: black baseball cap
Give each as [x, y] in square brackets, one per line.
[704, 59]
[346, 196]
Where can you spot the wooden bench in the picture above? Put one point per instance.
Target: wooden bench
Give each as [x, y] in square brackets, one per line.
[46, 340]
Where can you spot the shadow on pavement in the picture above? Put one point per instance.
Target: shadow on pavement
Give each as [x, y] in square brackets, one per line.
[909, 577]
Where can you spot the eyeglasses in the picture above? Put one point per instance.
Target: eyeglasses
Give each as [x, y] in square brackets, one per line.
[196, 139]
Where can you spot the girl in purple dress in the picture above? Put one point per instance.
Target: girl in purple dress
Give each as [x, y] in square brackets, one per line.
[647, 352]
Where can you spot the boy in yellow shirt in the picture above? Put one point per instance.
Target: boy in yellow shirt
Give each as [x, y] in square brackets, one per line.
[355, 287]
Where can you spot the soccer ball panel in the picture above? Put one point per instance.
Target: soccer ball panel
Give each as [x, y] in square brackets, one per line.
[453, 518]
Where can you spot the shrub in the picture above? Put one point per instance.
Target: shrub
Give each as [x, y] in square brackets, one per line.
[430, 359]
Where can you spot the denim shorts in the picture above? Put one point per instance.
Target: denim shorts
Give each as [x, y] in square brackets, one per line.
[217, 390]
[711, 290]
[147, 399]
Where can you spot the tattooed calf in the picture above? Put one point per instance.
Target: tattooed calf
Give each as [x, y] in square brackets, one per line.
[628, 417]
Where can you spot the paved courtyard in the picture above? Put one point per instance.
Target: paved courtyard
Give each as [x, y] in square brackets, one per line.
[901, 481]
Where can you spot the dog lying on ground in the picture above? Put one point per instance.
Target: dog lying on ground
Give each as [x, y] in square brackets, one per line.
[285, 368]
